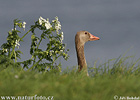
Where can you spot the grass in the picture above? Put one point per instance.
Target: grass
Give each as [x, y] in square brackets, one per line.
[118, 77]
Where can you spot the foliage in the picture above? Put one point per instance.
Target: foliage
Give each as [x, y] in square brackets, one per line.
[55, 48]
[103, 83]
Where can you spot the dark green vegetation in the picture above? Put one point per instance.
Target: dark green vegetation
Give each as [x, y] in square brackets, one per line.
[120, 78]
[41, 59]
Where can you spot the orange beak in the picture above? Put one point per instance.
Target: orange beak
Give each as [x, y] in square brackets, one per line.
[93, 38]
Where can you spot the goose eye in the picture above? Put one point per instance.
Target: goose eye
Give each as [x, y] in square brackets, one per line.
[85, 32]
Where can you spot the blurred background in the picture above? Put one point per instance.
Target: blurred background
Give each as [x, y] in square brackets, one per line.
[116, 22]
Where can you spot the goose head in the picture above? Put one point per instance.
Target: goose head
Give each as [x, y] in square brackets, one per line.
[84, 36]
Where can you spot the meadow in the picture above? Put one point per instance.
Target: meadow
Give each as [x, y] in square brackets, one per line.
[108, 81]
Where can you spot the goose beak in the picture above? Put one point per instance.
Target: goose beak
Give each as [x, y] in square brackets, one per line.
[93, 38]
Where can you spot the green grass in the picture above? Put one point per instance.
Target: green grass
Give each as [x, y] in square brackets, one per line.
[115, 77]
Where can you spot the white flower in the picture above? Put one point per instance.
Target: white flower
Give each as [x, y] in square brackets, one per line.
[46, 22]
[57, 27]
[57, 24]
[16, 76]
[61, 51]
[4, 50]
[62, 36]
[40, 20]
[23, 25]
[14, 29]
[48, 25]
[17, 44]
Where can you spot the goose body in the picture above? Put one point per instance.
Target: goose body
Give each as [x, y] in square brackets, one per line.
[80, 39]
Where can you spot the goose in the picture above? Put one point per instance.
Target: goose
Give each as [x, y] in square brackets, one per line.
[80, 39]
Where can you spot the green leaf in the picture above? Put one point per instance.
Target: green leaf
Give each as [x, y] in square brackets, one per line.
[17, 31]
[10, 33]
[20, 25]
[33, 37]
[18, 51]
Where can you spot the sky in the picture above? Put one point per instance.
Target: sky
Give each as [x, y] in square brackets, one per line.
[116, 22]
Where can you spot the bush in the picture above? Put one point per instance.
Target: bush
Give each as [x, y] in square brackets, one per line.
[55, 47]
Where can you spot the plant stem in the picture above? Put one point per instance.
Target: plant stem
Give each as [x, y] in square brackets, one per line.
[12, 51]
[39, 43]
[15, 56]
[9, 52]
[35, 64]
[25, 34]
